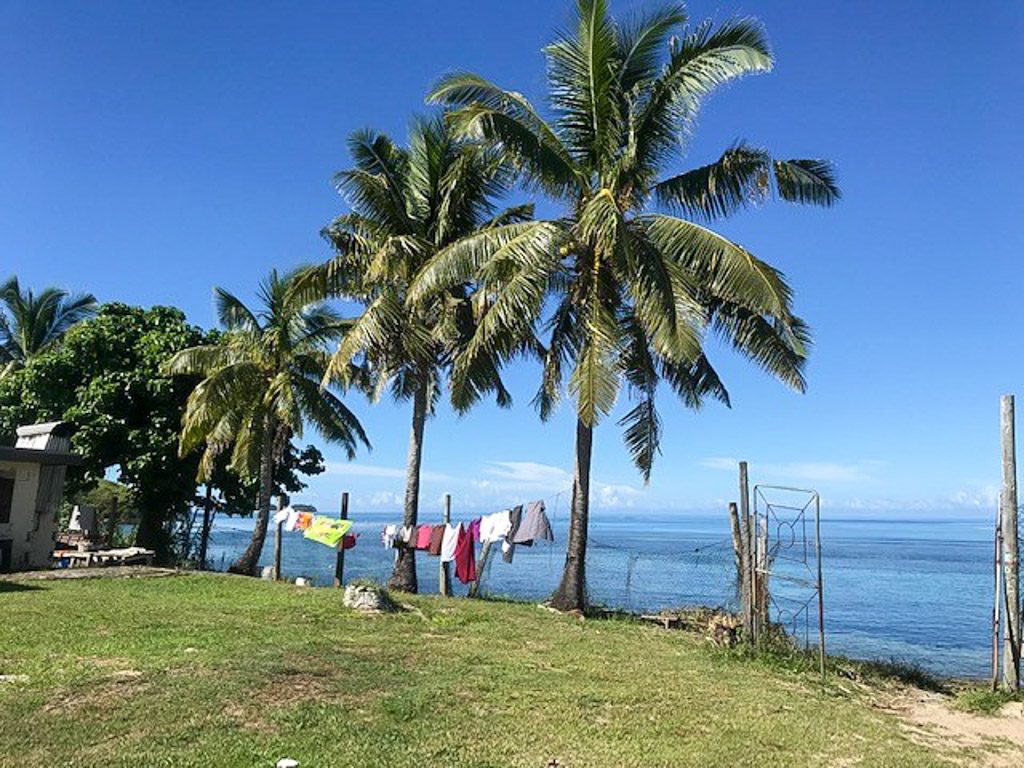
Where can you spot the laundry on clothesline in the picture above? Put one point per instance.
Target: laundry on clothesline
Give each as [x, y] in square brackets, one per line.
[328, 531]
[457, 543]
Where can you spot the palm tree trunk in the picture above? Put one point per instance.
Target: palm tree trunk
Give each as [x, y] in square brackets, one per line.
[249, 560]
[571, 594]
[403, 578]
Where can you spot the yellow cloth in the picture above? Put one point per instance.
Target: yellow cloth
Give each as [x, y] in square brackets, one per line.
[327, 530]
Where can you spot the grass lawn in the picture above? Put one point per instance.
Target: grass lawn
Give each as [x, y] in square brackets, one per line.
[209, 670]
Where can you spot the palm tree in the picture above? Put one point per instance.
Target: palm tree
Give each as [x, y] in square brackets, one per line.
[33, 323]
[407, 203]
[261, 384]
[632, 289]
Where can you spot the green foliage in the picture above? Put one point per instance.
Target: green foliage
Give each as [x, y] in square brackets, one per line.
[260, 380]
[632, 290]
[105, 378]
[984, 701]
[30, 324]
[241, 497]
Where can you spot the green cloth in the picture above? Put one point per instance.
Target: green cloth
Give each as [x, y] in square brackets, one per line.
[327, 530]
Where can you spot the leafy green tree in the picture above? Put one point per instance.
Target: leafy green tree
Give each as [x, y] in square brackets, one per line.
[105, 379]
[260, 385]
[632, 288]
[30, 324]
[407, 204]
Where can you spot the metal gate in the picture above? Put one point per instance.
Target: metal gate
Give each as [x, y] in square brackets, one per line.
[788, 589]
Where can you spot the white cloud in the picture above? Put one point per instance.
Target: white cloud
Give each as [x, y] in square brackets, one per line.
[354, 469]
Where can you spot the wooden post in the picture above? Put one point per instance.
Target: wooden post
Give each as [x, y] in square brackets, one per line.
[1011, 562]
[747, 528]
[278, 527]
[739, 548]
[339, 560]
[112, 521]
[444, 576]
[204, 533]
[998, 600]
[485, 553]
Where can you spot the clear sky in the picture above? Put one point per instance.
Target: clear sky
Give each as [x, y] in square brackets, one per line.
[150, 151]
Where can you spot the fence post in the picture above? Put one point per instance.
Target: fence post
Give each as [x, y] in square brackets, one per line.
[1011, 563]
[747, 528]
[739, 547]
[997, 602]
[278, 526]
[485, 553]
[339, 560]
[444, 577]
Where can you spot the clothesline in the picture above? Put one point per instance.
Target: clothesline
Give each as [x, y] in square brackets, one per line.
[509, 527]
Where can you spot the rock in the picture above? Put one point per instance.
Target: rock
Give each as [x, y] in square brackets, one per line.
[287, 762]
[267, 574]
[368, 598]
[724, 630]
[301, 581]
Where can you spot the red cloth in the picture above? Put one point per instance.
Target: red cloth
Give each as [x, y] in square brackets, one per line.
[423, 537]
[348, 541]
[436, 538]
[465, 556]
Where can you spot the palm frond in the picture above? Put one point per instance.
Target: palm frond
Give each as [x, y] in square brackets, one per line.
[807, 181]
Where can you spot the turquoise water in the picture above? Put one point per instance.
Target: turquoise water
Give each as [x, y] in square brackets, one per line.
[908, 589]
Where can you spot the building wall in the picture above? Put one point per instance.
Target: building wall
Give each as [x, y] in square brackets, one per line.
[31, 534]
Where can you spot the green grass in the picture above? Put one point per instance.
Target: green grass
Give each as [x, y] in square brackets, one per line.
[207, 670]
[983, 701]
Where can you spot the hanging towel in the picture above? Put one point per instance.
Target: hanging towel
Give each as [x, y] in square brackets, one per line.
[535, 526]
[436, 539]
[465, 557]
[388, 536]
[407, 536]
[282, 515]
[327, 530]
[494, 528]
[448, 543]
[474, 530]
[303, 520]
[349, 540]
[423, 537]
[508, 547]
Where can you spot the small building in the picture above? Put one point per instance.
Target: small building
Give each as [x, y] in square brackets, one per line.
[31, 488]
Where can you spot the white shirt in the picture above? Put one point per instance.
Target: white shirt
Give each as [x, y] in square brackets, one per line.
[495, 527]
[451, 538]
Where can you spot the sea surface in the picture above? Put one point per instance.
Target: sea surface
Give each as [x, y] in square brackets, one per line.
[908, 589]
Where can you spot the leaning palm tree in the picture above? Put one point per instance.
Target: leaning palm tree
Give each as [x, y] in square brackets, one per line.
[627, 291]
[30, 324]
[261, 384]
[407, 203]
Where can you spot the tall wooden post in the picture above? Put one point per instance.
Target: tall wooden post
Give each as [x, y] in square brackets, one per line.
[278, 527]
[339, 560]
[739, 547]
[485, 554]
[997, 603]
[204, 533]
[444, 577]
[1011, 555]
[747, 529]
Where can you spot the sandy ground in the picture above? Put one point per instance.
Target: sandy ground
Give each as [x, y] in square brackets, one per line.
[88, 573]
[994, 741]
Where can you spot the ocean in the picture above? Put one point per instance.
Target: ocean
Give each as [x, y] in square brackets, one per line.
[912, 590]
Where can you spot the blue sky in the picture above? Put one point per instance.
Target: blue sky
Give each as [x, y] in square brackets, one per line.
[149, 151]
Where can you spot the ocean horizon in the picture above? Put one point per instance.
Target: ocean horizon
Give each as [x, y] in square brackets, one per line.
[897, 586]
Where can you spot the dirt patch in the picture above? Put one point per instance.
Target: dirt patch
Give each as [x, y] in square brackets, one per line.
[123, 685]
[112, 572]
[968, 739]
[284, 691]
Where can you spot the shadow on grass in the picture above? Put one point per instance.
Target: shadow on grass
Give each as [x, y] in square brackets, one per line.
[15, 586]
